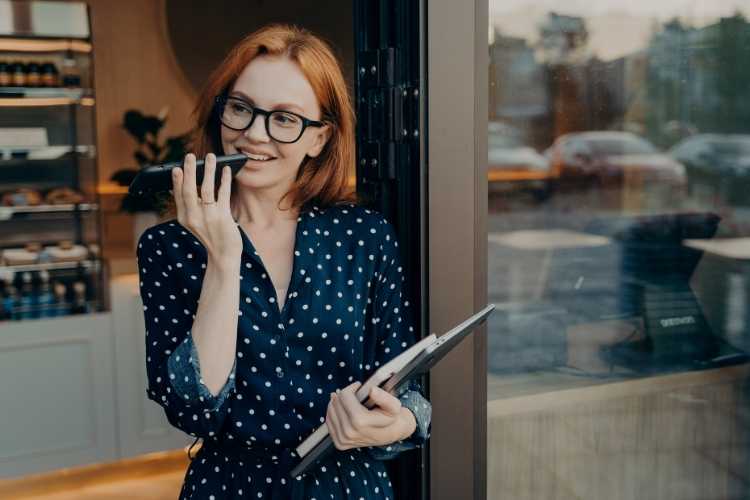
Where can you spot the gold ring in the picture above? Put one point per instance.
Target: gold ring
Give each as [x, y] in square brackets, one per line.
[208, 202]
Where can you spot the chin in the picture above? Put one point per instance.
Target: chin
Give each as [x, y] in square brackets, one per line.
[256, 179]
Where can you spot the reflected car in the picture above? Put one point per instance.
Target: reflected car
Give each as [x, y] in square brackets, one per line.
[609, 158]
[512, 165]
[717, 161]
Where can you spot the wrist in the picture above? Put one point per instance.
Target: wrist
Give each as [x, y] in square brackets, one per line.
[225, 265]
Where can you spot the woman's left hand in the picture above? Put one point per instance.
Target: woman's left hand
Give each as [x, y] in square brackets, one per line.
[353, 425]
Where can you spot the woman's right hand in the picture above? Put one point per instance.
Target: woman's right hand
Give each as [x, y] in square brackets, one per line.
[209, 219]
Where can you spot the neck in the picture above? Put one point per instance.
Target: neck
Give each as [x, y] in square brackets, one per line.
[261, 209]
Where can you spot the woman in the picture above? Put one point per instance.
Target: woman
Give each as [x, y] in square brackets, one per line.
[267, 303]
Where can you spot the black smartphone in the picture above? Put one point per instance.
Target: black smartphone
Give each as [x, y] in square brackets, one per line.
[155, 178]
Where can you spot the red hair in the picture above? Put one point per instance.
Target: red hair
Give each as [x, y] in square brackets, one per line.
[322, 180]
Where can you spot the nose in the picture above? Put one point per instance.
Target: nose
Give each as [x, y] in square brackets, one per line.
[257, 130]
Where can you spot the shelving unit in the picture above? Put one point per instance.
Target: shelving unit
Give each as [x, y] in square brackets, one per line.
[62, 154]
[76, 381]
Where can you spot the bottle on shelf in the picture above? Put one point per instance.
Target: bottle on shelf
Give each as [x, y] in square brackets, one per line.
[50, 76]
[27, 301]
[5, 76]
[69, 74]
[61, 307]
[4, 315]
[10, 301]
[33, 75]
[45, 299]
[80, 306]
[18, 74]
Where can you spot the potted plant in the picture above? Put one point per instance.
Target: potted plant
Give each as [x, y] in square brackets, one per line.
[150, 151]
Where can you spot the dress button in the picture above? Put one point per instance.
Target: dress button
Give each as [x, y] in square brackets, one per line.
[280, 374]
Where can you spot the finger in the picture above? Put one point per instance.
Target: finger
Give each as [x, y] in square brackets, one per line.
[333, 425]
[386, 402]
[177, 178]
[225, 188]
[356, 413]
[345, 428]
[209, 171]
[189, 190]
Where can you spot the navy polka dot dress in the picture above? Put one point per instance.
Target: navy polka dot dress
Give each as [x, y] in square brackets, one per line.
[344, 315]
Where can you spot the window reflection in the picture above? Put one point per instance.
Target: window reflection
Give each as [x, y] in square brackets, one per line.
[618, 247]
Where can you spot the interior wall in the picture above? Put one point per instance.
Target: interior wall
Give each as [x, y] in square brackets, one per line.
[222, 23]
[134, 69]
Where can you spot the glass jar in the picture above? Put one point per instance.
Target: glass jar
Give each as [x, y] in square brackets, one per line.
[5, 77]
[33, 75]
[18, 74]
[50, 76]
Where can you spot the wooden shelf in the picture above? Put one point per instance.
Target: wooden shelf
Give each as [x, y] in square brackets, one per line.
[7, 213]
[33, 101]
[15, 44]
[64, 92]
[86, 264]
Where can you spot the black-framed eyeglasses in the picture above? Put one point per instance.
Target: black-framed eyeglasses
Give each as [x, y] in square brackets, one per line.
[281, 126]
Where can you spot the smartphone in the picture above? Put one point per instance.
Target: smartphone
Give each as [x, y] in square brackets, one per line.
[156, 178]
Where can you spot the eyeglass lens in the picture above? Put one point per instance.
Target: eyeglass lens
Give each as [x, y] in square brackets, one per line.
[282, 126]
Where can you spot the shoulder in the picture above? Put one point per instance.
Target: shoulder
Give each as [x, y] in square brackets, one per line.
[349, 216]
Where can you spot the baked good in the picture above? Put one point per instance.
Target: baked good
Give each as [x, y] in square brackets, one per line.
[66, 251]
[19, 256]
[62, 195]
[21, 197]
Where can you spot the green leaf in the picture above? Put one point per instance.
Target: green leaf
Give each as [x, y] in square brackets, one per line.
[133, 122]
[155, 149]
[141, 158]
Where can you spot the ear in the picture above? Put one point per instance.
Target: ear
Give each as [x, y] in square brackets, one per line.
[321, 138]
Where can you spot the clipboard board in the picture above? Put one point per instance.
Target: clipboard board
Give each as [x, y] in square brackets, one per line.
[429, 351]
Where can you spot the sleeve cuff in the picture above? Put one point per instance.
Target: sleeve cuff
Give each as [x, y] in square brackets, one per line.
[422, 410]
[184, 376]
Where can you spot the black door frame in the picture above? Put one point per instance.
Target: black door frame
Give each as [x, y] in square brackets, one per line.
[390, 104]
[433, 186]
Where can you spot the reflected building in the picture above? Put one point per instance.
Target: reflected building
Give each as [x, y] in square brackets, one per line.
[518, 94]
[707, 65]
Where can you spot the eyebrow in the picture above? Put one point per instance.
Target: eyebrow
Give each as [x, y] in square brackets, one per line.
[281, 105]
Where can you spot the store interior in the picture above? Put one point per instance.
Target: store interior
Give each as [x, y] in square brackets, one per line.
[89, 93]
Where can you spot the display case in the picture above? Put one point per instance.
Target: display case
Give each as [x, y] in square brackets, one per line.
[50, 226]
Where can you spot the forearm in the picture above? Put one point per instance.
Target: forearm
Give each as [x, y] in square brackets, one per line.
[214, 328]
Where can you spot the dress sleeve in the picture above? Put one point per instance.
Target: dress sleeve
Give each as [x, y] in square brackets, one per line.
[393, 317]
[172, 365]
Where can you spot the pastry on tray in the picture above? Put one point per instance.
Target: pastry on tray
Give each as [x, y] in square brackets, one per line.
[21, 197]
[21, 256]
[62, 195]
[66, 251]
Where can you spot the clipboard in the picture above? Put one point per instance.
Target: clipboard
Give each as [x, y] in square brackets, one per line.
[427, 353]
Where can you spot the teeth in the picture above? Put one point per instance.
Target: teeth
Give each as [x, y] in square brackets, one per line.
[257, 157]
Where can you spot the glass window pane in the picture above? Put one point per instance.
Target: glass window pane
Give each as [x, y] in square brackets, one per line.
[619, 249]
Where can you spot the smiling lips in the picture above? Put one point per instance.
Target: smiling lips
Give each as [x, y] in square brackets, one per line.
[257, 156]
